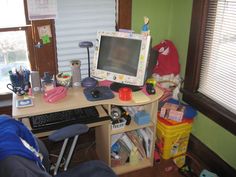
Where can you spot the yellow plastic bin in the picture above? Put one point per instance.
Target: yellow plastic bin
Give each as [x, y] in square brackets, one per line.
[172, 139]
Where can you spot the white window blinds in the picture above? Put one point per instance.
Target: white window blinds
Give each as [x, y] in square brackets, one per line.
[218, 70]
[79, 20]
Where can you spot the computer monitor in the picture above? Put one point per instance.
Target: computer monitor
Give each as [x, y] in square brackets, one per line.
[122, 58]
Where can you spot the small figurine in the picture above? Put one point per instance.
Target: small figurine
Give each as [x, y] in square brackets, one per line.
[145, 28]
[76, 73]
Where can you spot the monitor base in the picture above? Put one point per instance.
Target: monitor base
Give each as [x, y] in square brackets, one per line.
[116, 86]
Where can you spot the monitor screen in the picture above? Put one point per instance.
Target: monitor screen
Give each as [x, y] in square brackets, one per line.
[121, 57]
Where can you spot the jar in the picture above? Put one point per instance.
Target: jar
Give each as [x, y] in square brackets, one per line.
[48, 82]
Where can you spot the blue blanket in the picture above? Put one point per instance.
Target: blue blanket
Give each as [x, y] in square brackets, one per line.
[11, 131]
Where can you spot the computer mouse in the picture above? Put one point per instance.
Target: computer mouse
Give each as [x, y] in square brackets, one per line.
[95, 93]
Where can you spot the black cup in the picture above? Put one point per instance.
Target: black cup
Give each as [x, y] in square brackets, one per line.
[18, 90]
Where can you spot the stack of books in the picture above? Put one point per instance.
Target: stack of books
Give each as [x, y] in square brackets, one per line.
[126, 147]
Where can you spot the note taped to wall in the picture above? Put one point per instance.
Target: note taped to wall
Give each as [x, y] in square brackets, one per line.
[44, 31]
[42, 9]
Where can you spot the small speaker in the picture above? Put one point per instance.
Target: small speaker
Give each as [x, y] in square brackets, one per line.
[35, 82]
[76, 75]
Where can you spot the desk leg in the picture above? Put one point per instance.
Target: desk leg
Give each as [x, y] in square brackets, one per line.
[103, 142]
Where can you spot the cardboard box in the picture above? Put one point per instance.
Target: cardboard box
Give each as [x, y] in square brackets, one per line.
[172, 111]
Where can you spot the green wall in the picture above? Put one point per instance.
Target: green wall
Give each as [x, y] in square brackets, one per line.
[159, 15]
[170, 19]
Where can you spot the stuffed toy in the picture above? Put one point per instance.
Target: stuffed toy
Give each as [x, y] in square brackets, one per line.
[166, 72]
[168, 59]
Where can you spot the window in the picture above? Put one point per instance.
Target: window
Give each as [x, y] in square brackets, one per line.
[13, 40]
[14, 22]
[77, 21]
[210, 83]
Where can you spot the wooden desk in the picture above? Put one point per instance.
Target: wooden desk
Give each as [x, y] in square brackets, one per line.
[103, 132]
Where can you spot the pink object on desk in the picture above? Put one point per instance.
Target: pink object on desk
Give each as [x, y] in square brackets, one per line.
[30, 93]
[55, 94]
[105, 83]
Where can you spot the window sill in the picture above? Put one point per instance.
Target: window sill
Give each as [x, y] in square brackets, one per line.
[5, 103]
[5, 100]
[211, 109]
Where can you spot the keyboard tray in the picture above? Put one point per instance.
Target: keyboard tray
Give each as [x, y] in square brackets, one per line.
[56, 120]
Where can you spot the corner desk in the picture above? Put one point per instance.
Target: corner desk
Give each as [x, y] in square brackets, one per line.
[103, 131]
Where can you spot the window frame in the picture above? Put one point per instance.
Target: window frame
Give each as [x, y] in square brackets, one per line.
[205, 105]
[28, 33]
[124, 21]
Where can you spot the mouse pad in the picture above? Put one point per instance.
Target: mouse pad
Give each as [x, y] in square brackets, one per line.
[104, 93]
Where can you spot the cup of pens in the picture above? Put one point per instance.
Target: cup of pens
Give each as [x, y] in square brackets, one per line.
[19, 82]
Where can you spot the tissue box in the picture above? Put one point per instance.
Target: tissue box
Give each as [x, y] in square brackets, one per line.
[142, 118]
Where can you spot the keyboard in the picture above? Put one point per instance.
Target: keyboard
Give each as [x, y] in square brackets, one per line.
[56, 120]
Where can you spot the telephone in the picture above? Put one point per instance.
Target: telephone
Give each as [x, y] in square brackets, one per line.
[55, 94]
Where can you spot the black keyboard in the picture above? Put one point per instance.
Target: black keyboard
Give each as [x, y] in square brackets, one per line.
[52, 121]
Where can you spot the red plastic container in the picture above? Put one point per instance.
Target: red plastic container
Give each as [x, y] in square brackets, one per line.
[125, 94]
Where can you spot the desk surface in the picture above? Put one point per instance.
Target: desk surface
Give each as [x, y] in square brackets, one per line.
[74, 99]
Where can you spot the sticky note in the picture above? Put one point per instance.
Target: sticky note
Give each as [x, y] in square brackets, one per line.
[46, 39]
[139, 97]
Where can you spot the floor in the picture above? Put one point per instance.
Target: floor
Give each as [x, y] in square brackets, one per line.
[164, 168]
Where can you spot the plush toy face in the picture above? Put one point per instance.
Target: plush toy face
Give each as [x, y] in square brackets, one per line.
[163, 48]
[167, 59]
[75, 63]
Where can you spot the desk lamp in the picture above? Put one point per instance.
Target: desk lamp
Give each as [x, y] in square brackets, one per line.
[88, 81]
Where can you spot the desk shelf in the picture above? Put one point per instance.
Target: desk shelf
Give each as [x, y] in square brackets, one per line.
[132, 126]
[150, 108]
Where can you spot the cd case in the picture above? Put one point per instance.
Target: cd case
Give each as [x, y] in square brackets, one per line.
[24, 103]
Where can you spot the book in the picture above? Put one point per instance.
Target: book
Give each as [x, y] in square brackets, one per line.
[115, 138]
[24, 103]
[133, 135]
[146, 141]
[124, 152]
[149, 133]
[127, 141]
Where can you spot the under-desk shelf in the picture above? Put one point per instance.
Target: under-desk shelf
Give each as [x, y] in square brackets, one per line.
[131, 126]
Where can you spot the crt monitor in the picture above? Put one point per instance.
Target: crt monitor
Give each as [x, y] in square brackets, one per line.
[122, 58]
